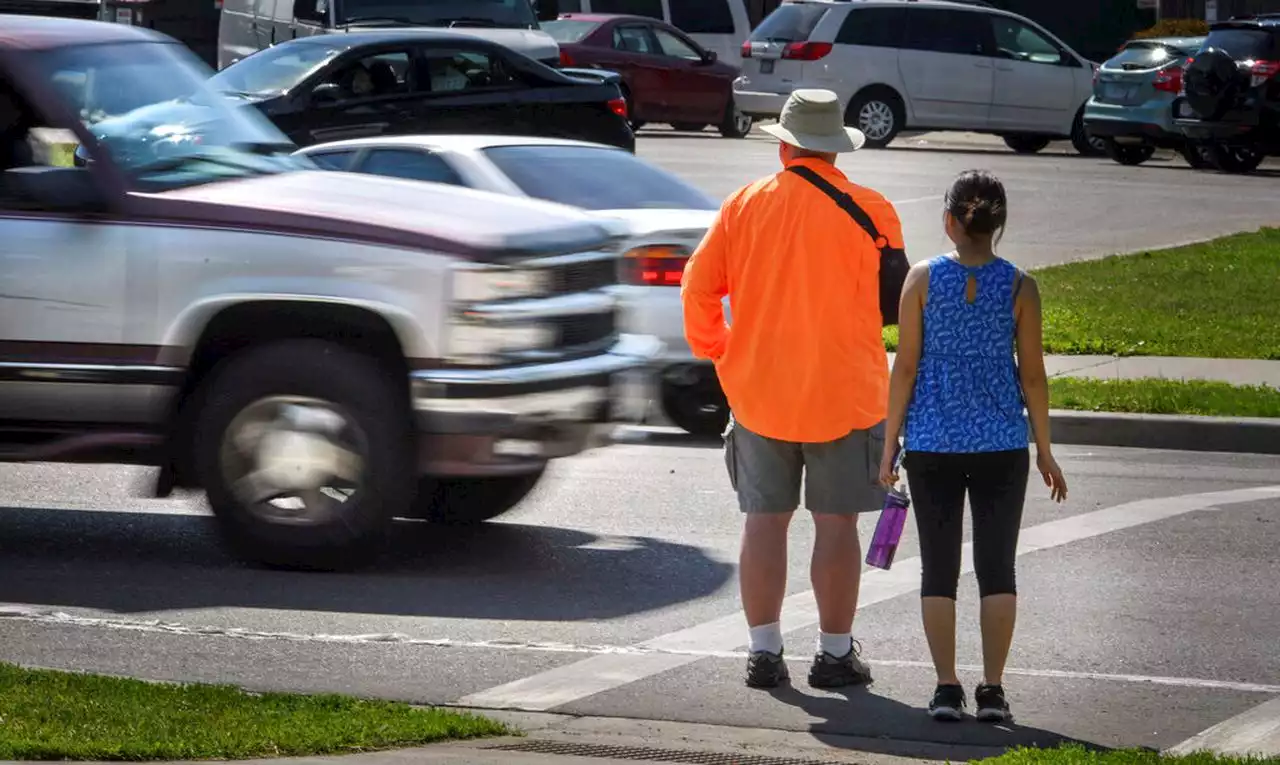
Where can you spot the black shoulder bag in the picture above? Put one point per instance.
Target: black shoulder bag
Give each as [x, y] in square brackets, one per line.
[893, 261]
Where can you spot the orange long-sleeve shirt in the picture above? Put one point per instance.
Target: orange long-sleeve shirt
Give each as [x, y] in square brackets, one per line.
[804, 360]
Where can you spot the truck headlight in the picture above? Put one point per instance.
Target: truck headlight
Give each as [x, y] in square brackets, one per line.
[480, 283]
[476, 342]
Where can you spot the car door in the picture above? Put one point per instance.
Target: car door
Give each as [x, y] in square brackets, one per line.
[694, 91]
[947, 68]
[1035, 79]
[642, 70]
[459, 87]
[718, 25]
[356, 96]
[264, 22]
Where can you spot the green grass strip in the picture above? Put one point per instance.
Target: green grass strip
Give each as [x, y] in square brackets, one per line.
[1075, 754]
[46, 715]
[1158, 396]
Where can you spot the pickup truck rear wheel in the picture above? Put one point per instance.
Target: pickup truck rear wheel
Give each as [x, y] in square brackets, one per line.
[304, 449]
[468, 501]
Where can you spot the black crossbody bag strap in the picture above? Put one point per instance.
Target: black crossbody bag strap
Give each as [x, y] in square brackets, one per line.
[893, 261]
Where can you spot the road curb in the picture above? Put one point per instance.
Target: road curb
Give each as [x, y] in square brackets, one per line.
[1158, 431]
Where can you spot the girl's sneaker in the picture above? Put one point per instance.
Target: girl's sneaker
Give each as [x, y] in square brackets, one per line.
[992, 706]
[948, 703]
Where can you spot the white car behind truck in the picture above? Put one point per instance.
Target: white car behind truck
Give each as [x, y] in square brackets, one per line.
[191, 296]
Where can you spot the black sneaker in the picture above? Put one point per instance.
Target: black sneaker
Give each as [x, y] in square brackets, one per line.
[766, 670]
[948, 703]
[838, 671]
[991, 703]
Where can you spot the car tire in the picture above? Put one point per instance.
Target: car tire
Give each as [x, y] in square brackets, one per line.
[1129, 154]
[694, 414]
[1234, 159]
[688, 127]
[1195, 156]
[1086, 145]
[735, 124]
[354, 405]
[1027, 144]
[879, 114]
[469, 501]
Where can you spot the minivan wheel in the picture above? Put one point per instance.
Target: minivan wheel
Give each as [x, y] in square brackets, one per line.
[468, 501]
[304, 449]
[878, 114]
[1026, 144]
[1129, 154]
[1234, 159]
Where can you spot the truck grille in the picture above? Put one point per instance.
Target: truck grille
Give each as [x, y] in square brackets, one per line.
[588, 329]
[582, 277]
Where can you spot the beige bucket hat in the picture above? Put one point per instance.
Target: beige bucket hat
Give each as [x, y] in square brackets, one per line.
[812, 119]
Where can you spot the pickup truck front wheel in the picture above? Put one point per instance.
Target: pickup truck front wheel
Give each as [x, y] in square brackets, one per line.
[304, 449]
[468, 501]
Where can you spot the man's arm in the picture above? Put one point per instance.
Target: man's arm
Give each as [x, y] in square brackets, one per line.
[703, 286]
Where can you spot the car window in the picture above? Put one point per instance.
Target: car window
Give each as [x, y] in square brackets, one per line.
[790, 22]
[443, 71]
[1020, 42]
[1142, 55]
[332, 160]
[595, 178]
[650, 8]
[410, 164]
[1244, 44]
[274, 70]
[383, 74]
[944, 31]
[512, 14]
[569, 30]
[635, 39]
[707, 17]
[673, 46]
[873, 27]
[314, 11]
[569, 6]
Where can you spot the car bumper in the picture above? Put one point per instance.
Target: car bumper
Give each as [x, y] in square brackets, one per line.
[758, 103]
[1240, 125]
[478, 422]
[1151, 122]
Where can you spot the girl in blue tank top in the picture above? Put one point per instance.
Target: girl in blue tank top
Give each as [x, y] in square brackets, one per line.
[969, 371]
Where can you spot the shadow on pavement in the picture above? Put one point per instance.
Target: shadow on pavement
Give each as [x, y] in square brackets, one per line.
[866, 722]
[138, 562]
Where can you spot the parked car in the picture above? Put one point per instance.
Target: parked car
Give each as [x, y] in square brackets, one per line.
[287, 340]
[332, 87]
[667, 76]
[248, 26]
[921, 65]
[1231, 94]
[1132, 97]
[717, 25]
[667, 218]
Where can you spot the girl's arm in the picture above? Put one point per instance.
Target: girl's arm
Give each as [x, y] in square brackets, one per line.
[902, 382]
[1035, 383]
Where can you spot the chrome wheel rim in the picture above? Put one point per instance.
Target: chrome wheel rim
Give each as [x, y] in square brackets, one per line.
[293, 460]
[741, 122]
[875, 120]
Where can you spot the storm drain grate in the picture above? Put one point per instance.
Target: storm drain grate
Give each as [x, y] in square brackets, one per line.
[648, 754]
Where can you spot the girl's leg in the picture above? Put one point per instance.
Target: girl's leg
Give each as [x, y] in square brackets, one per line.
[937, 483]
[997, 491]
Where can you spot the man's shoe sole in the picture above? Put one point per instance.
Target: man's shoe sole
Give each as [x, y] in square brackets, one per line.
[838, 682]
[993, 716]
[946, 714]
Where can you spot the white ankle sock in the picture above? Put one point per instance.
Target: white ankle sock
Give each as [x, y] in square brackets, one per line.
[838, 646]
[766, 637]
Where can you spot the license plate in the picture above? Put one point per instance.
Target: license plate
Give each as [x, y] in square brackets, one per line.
[1115, 91]
[124, 16]
[766, 67]
[1185, 110]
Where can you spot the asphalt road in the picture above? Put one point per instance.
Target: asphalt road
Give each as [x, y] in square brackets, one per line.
[1147, 616]
[1062, 206]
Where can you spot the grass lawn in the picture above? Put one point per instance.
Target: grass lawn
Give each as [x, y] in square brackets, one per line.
[1156, 396]
[1220, 299]
[1077, 755]
[48, 715]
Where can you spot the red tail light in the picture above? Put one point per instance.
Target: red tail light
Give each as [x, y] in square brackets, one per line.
[618, 106]
[565, 58]
[746, 49]
[655, 265]
[1169, 79]
[1264, 70]
[806, 51]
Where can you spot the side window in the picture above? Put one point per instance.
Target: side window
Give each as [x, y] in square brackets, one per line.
[410, 164]
[456, 71]
[673, 46]
[873, 27]
[635, 39]
[650, 8]
[1020, 42]
[383, 74]
[966, 33]
[27, 140]
[708, 17]
[314, 11]
[570, 6]
[333, 160]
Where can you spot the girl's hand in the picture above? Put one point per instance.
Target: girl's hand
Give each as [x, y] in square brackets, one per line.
[889, 476]
[1052, 474]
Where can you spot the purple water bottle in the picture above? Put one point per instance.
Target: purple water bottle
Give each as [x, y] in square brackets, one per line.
[893, 517]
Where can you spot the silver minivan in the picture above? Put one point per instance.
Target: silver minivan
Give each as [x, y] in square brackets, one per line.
[248, 26]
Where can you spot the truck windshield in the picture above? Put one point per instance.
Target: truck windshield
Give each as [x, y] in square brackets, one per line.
[513, 14]
[150, 107]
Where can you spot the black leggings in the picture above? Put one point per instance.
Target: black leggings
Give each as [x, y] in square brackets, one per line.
[997, 487]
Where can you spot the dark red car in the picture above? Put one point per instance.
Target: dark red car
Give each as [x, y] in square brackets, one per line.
[667, 76]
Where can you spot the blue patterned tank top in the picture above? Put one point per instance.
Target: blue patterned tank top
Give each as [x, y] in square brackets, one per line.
[968, 397]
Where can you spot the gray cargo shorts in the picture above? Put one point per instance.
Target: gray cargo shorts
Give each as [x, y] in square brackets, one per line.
[841, 477]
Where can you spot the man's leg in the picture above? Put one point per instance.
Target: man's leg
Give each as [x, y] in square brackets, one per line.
[766, 475]
[842, 480]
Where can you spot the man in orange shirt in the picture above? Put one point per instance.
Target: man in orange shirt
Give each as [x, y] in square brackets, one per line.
[805, 371]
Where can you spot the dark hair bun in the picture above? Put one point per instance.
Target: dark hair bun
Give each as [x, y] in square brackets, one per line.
[978, 201]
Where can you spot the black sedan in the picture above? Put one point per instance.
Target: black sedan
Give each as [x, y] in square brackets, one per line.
[402, 81]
